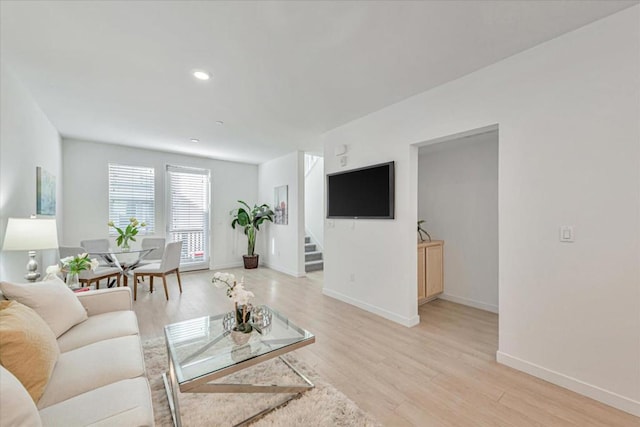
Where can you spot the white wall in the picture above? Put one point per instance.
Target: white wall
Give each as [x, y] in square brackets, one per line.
[87, 200]
[314, 211]
[458, 198]
[27, 140]
[282, 246]
[568, 112]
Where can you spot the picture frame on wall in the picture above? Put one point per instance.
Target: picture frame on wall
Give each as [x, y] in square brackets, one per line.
[45, 192]
[281, 205]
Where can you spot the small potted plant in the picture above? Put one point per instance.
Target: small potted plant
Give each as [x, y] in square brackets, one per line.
[128, 234]
[73, 265]
[250, 220]
[242, 309]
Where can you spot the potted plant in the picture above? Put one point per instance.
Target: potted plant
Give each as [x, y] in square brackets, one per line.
[129, 233]
[250, 219]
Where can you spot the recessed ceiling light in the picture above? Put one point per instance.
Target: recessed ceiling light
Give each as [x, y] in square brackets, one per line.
[201, 75]
[195, 140]
[219, 122]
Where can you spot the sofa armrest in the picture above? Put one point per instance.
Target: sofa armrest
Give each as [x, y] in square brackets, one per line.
[106, 300]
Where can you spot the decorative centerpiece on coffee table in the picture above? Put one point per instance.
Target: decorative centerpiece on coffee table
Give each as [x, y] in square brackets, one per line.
[240, 333]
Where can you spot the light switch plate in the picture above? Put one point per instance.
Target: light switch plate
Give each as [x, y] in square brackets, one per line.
[566, 234]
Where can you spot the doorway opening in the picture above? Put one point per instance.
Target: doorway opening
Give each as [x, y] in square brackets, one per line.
[313, 212]
[458, 202]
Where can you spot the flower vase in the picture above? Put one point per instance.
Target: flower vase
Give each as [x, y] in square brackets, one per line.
[240, 338]
[125, 246]
[243, 314]
[72, 280]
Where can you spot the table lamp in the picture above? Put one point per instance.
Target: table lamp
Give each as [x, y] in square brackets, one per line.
[30, 234]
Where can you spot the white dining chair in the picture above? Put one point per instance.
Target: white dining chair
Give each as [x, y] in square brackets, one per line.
[95, 246]
[155, 243]
[87, 277]
[170, 264]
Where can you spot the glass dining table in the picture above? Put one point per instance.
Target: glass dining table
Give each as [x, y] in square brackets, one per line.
[126, 261]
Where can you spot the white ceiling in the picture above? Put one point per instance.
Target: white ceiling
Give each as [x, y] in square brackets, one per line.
[284, 72]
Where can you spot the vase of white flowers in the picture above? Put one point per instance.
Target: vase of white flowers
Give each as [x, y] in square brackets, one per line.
[73, 265]
[240, 297]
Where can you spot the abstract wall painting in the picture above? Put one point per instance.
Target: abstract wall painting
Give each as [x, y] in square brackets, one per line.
[45, 192]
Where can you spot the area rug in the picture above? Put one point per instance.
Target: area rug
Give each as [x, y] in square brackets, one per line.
[321, 406]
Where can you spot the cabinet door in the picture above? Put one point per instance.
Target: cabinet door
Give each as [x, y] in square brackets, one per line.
[435, 283]
[422, 277]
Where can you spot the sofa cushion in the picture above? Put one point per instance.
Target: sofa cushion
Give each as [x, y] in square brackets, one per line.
[95, 365]
[28, 347]
[98, 328]
[13, 395]
[51, 299]
[123, 403]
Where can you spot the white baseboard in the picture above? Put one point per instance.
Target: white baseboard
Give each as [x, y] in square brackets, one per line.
[228, 265]
[284, 270]
[605, 396]
[471, 303]
[404, 321]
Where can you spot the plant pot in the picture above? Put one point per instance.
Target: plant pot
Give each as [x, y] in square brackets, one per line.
[250, 261]
[240, 338]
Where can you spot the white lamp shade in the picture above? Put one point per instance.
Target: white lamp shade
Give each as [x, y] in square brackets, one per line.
[30, 234]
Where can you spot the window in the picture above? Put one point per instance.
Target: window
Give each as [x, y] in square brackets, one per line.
[131, 194]
[188, 216]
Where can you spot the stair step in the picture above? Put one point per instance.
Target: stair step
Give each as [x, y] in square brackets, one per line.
[313, 266]
[307, 239]
[313, 256]
[309, 247]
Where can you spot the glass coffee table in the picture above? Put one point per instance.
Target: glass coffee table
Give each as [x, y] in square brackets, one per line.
[204, 349]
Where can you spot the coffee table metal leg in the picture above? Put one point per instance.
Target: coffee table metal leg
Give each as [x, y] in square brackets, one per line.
[171, 387]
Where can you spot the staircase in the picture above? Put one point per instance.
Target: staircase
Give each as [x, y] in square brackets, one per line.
[312, 257]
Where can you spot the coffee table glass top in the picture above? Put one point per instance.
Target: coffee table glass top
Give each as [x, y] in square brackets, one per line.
[203, 346]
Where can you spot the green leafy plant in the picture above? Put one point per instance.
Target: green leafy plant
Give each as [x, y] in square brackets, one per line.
[128, 233]
[76, 264]
[250, 219]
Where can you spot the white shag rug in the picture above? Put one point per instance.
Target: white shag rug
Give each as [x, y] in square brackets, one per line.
[323, 406]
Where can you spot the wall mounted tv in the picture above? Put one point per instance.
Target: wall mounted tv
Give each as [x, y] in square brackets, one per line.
[362, 193]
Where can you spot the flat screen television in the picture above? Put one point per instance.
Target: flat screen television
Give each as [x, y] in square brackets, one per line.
[362, 193]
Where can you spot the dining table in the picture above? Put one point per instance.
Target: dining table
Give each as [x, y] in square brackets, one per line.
[125, 260]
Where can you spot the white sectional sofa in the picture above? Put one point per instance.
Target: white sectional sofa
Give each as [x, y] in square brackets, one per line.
[99, 377]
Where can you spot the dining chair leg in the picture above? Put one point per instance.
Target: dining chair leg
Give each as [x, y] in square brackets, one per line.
[164, 282]
[151, 284]
[179, 281]
[135, 286]
[98, 284]
[118, 280]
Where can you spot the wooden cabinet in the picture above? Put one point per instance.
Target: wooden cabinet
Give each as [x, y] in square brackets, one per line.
[430, 270]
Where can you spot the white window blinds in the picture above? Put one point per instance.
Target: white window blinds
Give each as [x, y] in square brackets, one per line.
[188, 216]
[131, 194]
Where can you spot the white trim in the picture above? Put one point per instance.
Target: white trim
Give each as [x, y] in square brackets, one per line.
[469, 302]
[605, 396]
[228, 265]
[194, 267]
[283, 270]
[404, 321]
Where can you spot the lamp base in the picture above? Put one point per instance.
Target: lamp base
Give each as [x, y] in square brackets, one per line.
[32, 268]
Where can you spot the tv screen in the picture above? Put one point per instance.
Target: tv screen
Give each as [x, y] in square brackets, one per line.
[362, 193]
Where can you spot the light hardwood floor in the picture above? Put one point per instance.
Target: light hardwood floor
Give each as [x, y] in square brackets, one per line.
[440, 373]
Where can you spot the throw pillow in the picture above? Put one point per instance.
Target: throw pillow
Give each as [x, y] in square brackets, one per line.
[28, 348]
[18, 407]
[52, 300]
